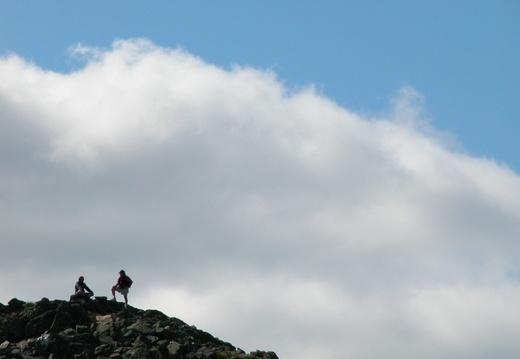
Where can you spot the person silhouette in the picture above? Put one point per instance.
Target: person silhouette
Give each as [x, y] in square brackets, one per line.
[122, 286]
[81, 289]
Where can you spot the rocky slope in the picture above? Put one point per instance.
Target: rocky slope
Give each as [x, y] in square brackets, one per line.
[99, 328]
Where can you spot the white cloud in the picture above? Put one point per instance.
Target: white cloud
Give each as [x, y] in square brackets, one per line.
[271, 217]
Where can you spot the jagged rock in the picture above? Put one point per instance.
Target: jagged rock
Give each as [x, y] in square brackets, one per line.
[264, 355]
[99, 328]
[62, 320]
[15, 304]
[14, 329]
[104, 350]
[39, 324]
[173, 348]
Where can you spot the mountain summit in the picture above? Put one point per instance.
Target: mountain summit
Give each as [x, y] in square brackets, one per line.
[99, 328]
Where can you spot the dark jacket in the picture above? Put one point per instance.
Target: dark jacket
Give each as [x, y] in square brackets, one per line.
[81, 286]
[124, 282]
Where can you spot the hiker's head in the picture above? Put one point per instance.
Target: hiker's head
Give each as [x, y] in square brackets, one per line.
[122, 272]
[81, 278]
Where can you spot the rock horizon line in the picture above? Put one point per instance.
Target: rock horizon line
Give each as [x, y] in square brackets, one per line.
[83, 328]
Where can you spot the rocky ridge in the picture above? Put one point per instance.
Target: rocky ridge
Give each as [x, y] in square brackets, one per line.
[99, 328]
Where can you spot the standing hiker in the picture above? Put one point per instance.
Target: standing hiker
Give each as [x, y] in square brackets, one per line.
[123, 284]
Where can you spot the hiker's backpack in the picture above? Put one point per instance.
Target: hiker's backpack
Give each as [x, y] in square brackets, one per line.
[127, 282]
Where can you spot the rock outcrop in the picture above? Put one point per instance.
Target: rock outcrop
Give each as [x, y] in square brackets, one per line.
[99, 328]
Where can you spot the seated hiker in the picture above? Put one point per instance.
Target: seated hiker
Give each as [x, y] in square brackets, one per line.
[81, 289]
[123, 284]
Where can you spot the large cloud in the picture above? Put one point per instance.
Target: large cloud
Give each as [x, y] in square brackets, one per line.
[270, 217]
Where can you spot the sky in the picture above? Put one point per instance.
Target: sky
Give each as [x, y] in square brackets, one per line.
[320, 179]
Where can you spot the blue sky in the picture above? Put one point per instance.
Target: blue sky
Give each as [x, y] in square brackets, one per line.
[462, 56]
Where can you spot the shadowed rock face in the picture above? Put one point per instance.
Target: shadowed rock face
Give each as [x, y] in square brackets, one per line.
[99, 328]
